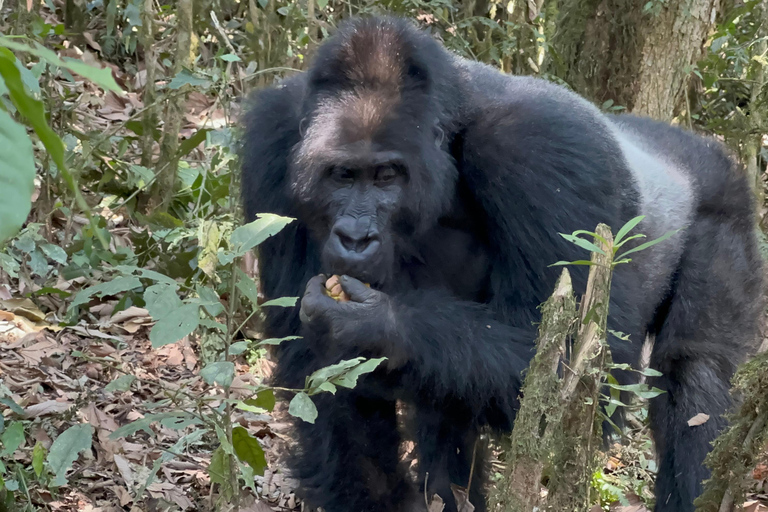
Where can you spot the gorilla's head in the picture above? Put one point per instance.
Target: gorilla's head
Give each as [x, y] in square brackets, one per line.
[371, 169]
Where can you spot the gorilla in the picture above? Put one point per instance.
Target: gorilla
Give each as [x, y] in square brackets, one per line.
[444, 184]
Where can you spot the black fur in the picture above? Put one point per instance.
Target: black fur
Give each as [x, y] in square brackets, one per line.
[490, 168]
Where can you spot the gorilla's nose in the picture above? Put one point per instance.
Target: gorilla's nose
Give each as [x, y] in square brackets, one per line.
[355, 238]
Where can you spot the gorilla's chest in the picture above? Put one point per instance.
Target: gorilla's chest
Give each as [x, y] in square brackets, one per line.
[455, 257]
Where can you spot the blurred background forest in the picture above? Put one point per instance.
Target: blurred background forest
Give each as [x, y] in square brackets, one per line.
[131, 361]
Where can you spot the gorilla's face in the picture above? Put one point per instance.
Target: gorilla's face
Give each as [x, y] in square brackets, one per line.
[355, 194]
[363, 197]
[371, 172]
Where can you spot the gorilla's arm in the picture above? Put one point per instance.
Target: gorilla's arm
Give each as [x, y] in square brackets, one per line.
[460, 349]
[444, 347]
[286, 260]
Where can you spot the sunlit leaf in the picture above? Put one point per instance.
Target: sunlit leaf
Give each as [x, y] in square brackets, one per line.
[99, 76]
[250, 235]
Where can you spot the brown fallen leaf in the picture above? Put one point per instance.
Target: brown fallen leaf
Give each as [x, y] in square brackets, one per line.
[436, 505]
[47, 407]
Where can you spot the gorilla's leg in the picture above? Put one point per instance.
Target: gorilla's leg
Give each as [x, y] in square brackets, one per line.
[348, 460]
[445, 444]
[710, 322]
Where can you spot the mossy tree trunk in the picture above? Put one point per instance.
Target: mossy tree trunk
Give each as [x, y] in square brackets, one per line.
[636, 53]
[558, 428]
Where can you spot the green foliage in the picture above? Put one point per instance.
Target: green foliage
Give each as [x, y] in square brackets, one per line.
[248, 450]
[302, 407]
[621, 240]
[17, 173]
[66, 448]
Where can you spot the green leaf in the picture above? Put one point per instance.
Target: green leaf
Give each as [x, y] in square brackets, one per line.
[162, 299]
[209, 238]
[624, 242]
[276, 341]
[283, 302]
[230, 57]
[115, 286]
[218, 469]
[328, 373]
[101, 77]
[17, 174]
[38, 458]
[238, 348]
[646, 245]
[626, 228]
[584, 244]
[197, 138]
[264, 399]
[219, 372]
[247, 474]
[33, 111]
[186, 77]
[145, 274]
[145, 422]
[12, 438]
[250, 235]
[248, 450]
[12, 405]
[302, 407]
[650, 372]
[327, 386]
[55, 253]
[210, 300]
[66, 448]
[349, 379]
[175, 325]
[640, 390]
[247, 287]
[122, 383]
[577, 262]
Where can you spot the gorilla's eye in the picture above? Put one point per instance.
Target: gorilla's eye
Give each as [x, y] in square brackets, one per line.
[385, 175]
[342, 175]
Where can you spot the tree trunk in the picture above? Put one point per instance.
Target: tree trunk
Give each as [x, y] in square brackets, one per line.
[638, 54]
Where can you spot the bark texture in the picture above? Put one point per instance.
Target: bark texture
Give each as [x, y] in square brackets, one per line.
[638, 54]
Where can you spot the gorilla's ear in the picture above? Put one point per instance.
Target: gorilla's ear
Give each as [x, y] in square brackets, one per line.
[303, 126]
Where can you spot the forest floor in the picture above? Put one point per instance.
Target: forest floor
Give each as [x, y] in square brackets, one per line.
[61, 376]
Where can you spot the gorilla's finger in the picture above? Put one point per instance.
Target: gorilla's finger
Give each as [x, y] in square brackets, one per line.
[315, 285]
[303, 316]
[357, 291]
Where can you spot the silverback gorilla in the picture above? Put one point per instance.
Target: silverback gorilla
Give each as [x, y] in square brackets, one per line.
[444, 184]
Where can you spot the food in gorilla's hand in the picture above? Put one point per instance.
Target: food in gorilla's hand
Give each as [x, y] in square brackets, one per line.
[333, 289]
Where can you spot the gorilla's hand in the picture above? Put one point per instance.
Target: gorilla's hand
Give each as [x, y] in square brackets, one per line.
[366, 320]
